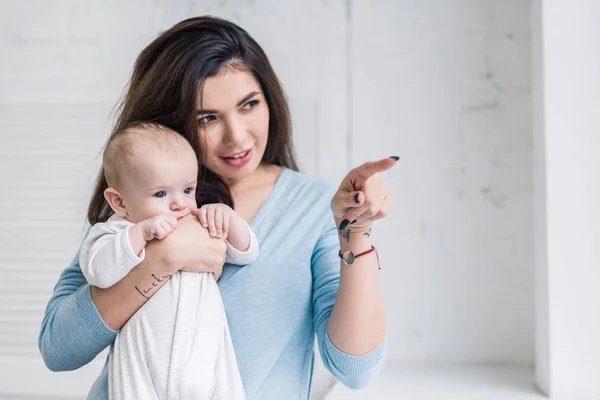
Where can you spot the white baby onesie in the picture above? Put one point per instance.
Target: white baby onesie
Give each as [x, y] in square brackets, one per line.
[177, 345]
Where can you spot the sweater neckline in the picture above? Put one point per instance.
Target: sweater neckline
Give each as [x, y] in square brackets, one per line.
[271, 200]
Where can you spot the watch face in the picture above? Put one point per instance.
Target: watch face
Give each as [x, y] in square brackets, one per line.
[348, 257]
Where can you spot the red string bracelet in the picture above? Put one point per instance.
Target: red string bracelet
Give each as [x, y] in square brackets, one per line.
[348, 256]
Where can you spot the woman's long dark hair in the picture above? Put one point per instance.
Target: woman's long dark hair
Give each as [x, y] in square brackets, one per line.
[167, 77]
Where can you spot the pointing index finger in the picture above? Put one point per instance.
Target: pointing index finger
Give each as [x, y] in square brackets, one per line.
[363, 172]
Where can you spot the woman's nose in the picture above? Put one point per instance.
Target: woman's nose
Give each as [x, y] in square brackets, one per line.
[234, 131]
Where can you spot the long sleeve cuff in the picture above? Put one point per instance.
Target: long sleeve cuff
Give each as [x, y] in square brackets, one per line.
[356, 364]
[92, 321]
[131, 257]
[235, 256]
[355, 371]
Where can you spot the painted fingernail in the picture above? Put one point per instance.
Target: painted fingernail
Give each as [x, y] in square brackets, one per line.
[395, 158]
[353, 222]
[344, 224]
[356, 199]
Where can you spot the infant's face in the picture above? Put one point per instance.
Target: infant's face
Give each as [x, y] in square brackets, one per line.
[160, 183]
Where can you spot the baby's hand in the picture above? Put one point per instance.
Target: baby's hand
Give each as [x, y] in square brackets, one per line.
[158, 227]
[216, 218]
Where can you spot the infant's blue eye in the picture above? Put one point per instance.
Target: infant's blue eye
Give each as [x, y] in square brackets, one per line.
[187, 191]
[160, 194]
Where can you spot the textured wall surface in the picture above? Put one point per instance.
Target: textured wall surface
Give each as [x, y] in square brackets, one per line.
[445, 85]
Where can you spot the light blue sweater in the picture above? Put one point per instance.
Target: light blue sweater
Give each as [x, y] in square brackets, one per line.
[274, 306]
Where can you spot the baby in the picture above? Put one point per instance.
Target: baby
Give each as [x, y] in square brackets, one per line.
[178, 344]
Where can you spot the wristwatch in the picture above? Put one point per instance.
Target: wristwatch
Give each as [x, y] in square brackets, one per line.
[348, 256]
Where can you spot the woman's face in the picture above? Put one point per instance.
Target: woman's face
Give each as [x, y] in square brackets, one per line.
[233, 124]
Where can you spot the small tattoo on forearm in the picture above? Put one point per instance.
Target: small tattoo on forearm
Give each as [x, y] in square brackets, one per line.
[368, 233]
[163, 277]
[140, 292]
[144, 292]
[345, 234]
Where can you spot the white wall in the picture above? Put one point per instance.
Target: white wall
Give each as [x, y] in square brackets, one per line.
[568, 134]
[542, 333]
[443, 84]
[446, 86]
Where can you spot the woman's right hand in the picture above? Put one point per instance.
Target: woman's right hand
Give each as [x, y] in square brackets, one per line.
[190, 248]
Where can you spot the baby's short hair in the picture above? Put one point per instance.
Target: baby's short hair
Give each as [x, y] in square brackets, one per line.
[120, 150]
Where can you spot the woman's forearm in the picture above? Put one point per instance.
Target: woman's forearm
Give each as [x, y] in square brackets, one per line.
[119, 302]
[72, 333]
[188, 248]
[357, 322]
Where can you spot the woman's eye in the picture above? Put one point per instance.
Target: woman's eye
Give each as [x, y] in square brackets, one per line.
[188, 190]
[160, 194]
[250, 105]
[206, 120]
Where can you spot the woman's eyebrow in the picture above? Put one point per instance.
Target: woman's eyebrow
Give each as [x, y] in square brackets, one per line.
[245, 99]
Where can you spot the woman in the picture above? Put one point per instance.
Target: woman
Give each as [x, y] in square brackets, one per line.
[207, 79]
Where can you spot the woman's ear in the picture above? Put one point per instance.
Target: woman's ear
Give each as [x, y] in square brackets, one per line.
[115, 201]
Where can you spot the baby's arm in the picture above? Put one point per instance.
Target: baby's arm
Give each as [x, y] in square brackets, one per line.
[112, 249]
[239, 235]
[242, 244]
[107, 255]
